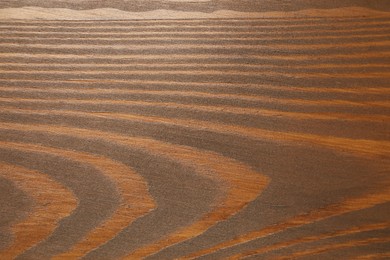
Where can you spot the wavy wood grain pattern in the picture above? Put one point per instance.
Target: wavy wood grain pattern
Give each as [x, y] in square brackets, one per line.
[50, 205]
[205, 129]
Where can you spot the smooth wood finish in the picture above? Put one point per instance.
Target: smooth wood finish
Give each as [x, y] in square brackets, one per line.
[210, 129]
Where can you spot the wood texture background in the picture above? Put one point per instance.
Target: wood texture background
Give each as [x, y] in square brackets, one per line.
[204, 129]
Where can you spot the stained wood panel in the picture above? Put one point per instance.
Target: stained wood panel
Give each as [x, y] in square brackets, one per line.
[194, 130]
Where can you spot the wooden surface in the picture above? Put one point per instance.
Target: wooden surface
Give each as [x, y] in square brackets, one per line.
[209, 129]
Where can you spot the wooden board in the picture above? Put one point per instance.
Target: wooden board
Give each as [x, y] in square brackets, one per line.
[199, 129]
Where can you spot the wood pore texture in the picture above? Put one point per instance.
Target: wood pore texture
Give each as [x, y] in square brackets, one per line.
[194, 129]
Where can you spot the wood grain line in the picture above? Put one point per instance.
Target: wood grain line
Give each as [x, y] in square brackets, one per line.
[51, 204]
[200, 108]
[353, 243]
[242, 184]
[135, 201]
[186, 129]
[371, 148]
[304, 240]
[347, 206]
[87, 83]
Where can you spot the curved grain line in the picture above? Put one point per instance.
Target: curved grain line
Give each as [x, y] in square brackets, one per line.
[360, 147]
[135, 200]
[309, 239]
[204, 162]
[243, 186]
[200, 108]
[334, 210]
[349, 205]
[51, 204]
[241, 183]
[327, 248]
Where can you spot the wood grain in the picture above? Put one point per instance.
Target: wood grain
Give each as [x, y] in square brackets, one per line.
[205, 129]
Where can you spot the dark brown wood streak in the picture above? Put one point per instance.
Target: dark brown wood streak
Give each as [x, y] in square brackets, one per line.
[194, 129]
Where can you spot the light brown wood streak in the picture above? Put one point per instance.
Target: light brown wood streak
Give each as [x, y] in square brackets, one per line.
[240, 184]
[239, 36]
[286, 18]
[270, 56]
[215, 72]
[201, 28]
[373, 256]
[51, 204]
[312, 18]
[133, 24]
[102, 82]
[244, 38]
[221, 96]
[304, 14]
[186, 39]
[40, 13]
[135, 200]
[371, 227]
[206, 36]
[188, 65]
[303, 240]
[186, 31]
[181, 46]
[347, 206]
[360, 147]
[208, 108]
[352, 243]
